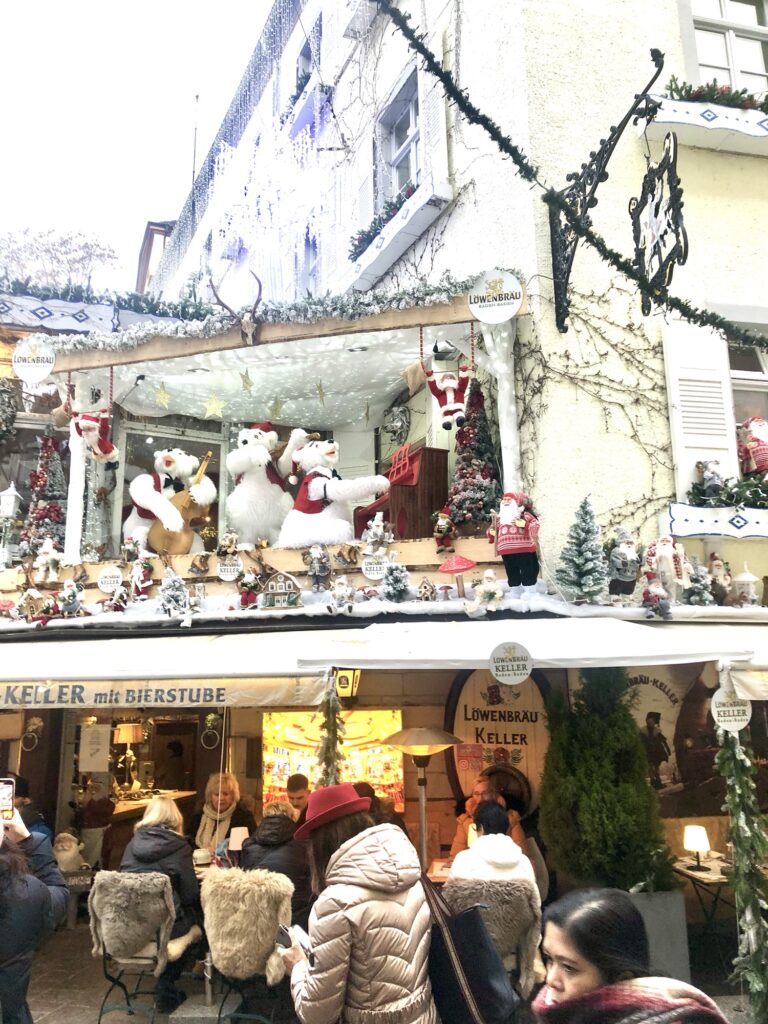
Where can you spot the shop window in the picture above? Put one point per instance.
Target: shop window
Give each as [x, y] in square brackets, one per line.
[397, 162]
[732, 42]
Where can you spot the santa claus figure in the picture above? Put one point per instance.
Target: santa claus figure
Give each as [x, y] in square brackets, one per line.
[656, 600]
[623, 567]
[664, 560]
[753, 445]
[449, 389]
[93, 427]
[513, 532]
[444, 530]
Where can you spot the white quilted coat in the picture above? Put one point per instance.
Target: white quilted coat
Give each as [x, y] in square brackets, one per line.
[370, 931]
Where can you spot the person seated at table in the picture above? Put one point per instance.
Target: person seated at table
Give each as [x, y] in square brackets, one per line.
[482, 789]
[221, 812]
[272, 848]
[494, 856]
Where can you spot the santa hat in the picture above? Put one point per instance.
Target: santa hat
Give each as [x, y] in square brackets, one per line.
[267, 428]
[519, 496]
[752, 419]
[295, 468]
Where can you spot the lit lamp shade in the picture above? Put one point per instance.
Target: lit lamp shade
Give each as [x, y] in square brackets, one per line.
[347, 681]
[128, 733]
[422, 742]
[237, 837]
[696, 840]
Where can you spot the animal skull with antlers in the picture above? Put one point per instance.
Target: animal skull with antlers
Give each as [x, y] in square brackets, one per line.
[248, 322]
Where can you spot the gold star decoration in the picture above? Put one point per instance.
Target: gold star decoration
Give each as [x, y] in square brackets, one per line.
[276, 408]
[162, 397]
[320, 392]
[246, 380]
[214, 407]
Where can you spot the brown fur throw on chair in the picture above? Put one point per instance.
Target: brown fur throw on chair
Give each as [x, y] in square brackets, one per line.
[130, 911]
[243, 910]
[512, 916]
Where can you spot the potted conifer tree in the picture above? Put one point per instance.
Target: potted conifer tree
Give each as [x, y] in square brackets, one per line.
[600, 817]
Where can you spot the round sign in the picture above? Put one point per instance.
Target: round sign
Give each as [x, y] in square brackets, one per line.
[109, 579]
[33, 361]
[374, 566]
[730, 712]
[230, 567]
[496, 297]
[510, 664]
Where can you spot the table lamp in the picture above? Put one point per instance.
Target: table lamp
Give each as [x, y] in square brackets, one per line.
[695, 840]
[128, 733]
[421, 744]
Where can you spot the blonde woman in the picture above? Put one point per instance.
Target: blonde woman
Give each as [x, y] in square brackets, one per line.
[221, 812]
[272, 848]
[159, 845]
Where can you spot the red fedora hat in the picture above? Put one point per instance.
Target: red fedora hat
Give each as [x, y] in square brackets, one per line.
[329, 804]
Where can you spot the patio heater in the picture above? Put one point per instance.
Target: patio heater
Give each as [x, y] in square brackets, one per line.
[421, 744]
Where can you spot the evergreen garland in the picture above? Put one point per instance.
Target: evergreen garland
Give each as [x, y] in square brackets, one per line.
[711, 92]
[395, 585]
[360, 241]
[599, 816]
[329, 750]
[475, 491]
[748, 834]
[8, 410]
[751, 492]
[135, 302]
[583, 571]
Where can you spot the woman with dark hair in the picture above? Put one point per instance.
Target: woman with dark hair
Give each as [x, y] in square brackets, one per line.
[33, 899]
[596, 953]
[370, 927]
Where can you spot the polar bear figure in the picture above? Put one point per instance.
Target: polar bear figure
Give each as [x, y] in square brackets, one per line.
[260, 502]
[151, 495]
[321, 513]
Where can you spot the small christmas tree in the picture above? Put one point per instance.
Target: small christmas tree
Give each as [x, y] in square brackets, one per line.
[329, 752]
[174, 597]
[395, 585]
[47, 503]
[475, 491]
[583, 571]
[699, 591]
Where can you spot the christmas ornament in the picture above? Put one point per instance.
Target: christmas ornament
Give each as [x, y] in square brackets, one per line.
[320, 392]
[68, 599]
[93, 427]
[699, 591]
[624, 562]
[276, 408]
[753, 446]
[45, 516]
[656, 600]
[174, 597]
[249, 586]
[47, 562]
[427, 590]
[330, 754]
[514, 533]
[443, 531]
[341, 596]
[140, 579]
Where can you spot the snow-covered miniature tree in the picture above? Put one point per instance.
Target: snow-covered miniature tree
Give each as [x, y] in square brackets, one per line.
[700, 591]
[475, 491]
[583, 571]
[173, 594]
[396, 583]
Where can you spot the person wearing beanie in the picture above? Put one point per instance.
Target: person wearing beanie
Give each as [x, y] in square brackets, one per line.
[370, 927]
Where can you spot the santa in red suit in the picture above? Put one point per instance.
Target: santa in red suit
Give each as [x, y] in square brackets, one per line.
[753, 445]
[513, 532]
[449, 389]
[93, 427]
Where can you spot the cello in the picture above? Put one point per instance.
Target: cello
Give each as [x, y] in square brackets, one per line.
[179, 542]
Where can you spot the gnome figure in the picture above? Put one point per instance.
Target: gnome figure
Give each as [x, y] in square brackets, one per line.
[624, 568]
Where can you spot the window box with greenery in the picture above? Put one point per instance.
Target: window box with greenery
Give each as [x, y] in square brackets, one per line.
[307, 103]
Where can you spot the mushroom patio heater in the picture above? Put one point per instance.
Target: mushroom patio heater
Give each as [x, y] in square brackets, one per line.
[421, 744]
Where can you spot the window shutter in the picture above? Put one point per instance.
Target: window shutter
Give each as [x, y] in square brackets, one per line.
[700, 401]
[433, 132]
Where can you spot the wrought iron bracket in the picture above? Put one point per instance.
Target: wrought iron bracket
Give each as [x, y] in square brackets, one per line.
[580, 194]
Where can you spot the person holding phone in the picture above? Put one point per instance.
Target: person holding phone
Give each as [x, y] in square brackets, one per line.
[33, 900]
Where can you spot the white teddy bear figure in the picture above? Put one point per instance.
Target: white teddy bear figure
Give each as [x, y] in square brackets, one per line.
[321, 513]
[151, 495]
[260, 502]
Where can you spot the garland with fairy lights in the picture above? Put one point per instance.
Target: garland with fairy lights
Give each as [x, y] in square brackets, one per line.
[527, 171]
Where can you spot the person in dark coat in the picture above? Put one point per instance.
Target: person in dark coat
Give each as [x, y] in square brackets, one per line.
[273, 848]
[30, 813]
[33, 900]
[221, 812]
[158, 845]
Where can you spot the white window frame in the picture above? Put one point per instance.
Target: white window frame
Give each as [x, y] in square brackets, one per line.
[751, 380]
[405, 102]
[731, 30]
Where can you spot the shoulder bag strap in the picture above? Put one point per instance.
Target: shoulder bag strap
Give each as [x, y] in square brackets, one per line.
[440, 913]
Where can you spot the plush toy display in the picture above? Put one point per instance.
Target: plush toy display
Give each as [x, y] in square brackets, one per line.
[151, 494]
[321, 513]
[753, 445]
[513, 532]
[68, 853]
[449, 389]
[260, 502]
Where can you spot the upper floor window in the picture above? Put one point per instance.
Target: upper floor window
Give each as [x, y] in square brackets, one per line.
[749, 381]
[398, 162]
[732, 42]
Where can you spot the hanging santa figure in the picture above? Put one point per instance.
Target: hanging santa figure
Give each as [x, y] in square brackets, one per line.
[753, 446]
[93, 427]
[514, 531]
[449, 388]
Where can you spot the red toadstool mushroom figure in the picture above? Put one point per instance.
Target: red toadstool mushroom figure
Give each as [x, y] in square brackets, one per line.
[457, 565]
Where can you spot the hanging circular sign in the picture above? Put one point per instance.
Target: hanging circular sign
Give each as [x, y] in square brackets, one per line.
[730, 712]
[510, 664]
[229, 568]
[496, 297]
[374, 566]
[109, 579]
[33, 361]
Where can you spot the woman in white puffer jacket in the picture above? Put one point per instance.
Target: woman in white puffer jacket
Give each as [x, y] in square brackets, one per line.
[370, 927]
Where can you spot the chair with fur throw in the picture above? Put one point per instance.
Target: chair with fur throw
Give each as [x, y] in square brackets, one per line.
[512, 913]
[242, 911]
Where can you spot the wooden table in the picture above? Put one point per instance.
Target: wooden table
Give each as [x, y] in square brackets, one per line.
[438, 872]
[708, 886]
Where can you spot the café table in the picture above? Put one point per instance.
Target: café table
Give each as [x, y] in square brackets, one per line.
[709, 886]
[438, 872]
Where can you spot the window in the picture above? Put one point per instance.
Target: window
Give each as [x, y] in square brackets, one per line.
[749, 381]
[398, 160]
[732, 42]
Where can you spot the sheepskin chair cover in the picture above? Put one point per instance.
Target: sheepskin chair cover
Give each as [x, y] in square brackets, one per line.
[243, 910]
[512, 915]
[129, 911]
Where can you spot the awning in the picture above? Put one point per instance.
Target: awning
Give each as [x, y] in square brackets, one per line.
[552, 643]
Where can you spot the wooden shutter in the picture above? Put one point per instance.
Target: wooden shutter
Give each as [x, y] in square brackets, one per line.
[433, 132]
[701, 414]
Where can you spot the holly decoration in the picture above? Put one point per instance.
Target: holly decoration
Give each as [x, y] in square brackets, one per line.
[329, 750]
[7, 410]
[699, 592]
[583, 571]
[46, 514]
[475, 491]
[395, 585]
[748, 835]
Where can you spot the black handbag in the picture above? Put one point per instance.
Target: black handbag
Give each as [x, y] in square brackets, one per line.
[470, 984]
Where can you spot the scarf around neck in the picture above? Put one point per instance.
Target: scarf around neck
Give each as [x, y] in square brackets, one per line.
[214, 826]
[639, 1001]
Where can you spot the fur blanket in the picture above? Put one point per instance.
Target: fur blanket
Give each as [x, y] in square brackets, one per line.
[512, 915]
[130, 911]
[243, 910]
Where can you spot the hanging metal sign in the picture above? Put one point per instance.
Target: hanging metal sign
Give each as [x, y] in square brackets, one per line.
[33, 361]
[511, 664]
[730, 712]
[496, 297]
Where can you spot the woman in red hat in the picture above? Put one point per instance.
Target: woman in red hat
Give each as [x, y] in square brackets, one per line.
[370, 927]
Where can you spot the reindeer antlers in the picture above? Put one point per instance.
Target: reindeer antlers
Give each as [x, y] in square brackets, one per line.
[258, 295]
[247, 321]
[219, 302]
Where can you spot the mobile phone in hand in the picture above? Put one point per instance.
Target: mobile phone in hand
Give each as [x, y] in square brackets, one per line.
[7, 799]
[283, 937]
